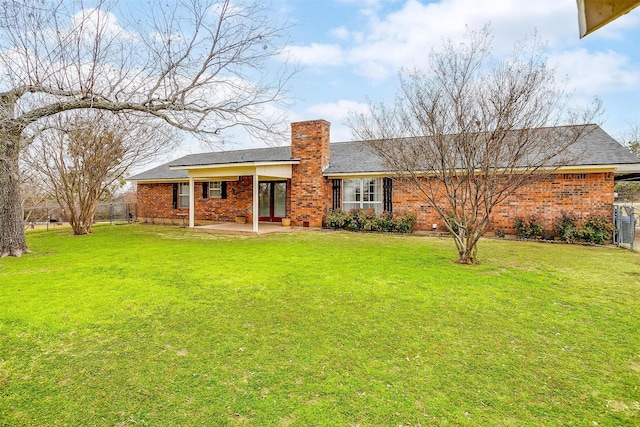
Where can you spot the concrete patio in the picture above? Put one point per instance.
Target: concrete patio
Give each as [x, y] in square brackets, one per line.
[246, 229]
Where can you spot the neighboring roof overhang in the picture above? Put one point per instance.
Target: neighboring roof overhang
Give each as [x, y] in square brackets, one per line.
[593, 14]
[281, 169]
[629, 177]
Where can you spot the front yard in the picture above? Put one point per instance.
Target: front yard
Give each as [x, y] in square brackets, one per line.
[143, 325]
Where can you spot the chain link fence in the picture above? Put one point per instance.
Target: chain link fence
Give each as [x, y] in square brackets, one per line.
[53, 216]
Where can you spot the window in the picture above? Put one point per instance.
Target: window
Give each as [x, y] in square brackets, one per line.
[363, 193]
[215, 189]
[183, 195]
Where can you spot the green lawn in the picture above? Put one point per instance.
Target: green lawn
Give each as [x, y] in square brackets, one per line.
[156, 326]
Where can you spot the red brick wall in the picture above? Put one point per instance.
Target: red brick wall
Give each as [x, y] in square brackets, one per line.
[238, 202]
[155, 202]
[582, 194]
[309, 193]
[310, 190]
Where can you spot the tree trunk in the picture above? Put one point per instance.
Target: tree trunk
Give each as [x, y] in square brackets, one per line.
[12, 240]
[468, 253]
[83, 219]
[467, 244]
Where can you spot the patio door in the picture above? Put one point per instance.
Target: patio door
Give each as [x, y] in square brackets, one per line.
[272, 201]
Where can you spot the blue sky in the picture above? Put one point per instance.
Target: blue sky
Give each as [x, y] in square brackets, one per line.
[351, 51]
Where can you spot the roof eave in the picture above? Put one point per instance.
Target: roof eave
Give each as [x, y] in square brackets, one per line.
[234, 165]
[155, 180]
[613, 167]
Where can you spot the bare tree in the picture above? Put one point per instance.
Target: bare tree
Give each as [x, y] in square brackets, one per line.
[469, 131]
[196, 66]
[630, 191]
[631, 138]
[79, 158]
[34, 195]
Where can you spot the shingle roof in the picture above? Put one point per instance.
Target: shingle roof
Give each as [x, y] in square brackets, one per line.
[353, 157]
[272, 154]
[159, 173]
[596, 147]
[601, 149]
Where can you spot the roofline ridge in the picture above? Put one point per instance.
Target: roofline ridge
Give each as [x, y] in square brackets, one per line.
[235, 151]
[510, 130]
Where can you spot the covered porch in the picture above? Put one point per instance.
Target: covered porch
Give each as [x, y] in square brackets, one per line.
[263, 177]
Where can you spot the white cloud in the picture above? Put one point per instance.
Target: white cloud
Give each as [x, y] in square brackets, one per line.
[362, 3]
[341, 33]
[366, 7]
[90, 22]
[596, 73]
[336, 113]
[405, 36]
[216, 9]
[167, 38]
[364, 47]
[315, 54]
[337, 110]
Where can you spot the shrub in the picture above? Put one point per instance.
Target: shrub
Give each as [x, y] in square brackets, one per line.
[357, 219]
[597, 229]
[386, 222]
[520, 228]
[372, 224]
[529, 228]
[366, 220]
[405, 222]
[335, 218]
[567, 227]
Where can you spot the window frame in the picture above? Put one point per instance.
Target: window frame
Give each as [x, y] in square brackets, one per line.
[183, 198]
[368, 192]
[215, 189]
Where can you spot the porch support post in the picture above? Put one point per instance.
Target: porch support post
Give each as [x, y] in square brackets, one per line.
[192, 203]
[255, 201]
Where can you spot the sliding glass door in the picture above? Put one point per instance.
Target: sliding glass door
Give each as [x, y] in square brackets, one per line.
[272, 201]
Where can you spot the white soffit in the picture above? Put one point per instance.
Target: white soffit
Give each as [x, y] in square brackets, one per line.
[593, 14]
[266, 170]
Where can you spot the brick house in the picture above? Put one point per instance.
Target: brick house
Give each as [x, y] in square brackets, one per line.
[302, 182]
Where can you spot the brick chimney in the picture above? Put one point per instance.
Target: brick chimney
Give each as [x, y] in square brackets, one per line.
[310, 191]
